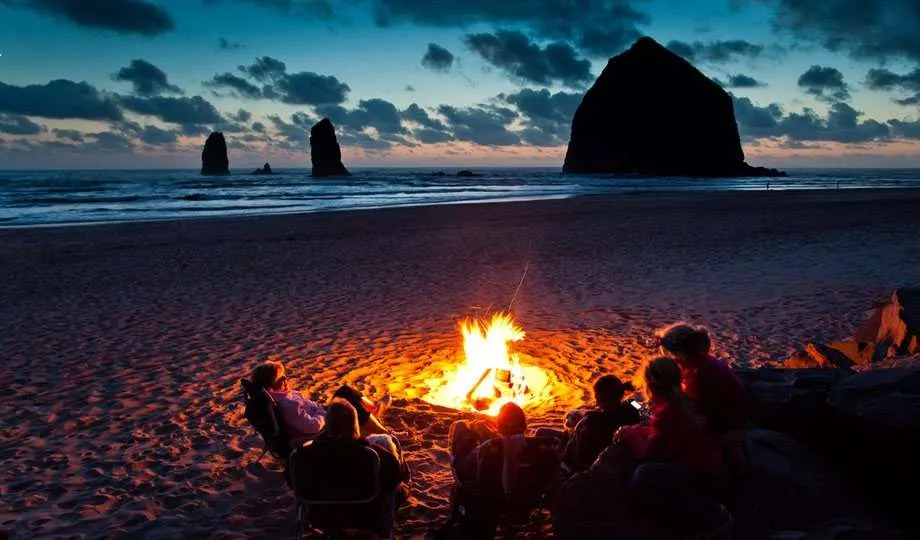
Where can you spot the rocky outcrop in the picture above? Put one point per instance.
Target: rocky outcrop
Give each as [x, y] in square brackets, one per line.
[214, 159]
[266, 169]
[892, 331]
[465, 174]
[325, 153]
[651, 113]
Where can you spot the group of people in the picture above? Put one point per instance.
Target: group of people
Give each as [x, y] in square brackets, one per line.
[680, 435]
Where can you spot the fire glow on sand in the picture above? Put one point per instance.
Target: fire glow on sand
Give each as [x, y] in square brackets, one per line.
[490, 374]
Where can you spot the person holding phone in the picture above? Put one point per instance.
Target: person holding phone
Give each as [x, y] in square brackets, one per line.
[594, 432]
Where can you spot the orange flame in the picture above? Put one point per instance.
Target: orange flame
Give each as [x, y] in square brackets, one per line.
[491, 374]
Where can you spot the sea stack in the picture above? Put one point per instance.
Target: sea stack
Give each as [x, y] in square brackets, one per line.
[325, 152]
[214, 160]
[651, 113]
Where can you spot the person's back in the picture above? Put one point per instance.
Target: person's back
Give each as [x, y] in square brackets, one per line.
[595, 431]
[709, 382]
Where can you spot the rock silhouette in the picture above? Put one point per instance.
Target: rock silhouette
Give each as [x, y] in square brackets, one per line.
[266, 169]
[652, 113]
[325, 153]
[214, 160]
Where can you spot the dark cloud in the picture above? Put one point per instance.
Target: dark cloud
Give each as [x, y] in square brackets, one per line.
[155, 136]
[294, 133]
[741, 81]
[825, 83]
[147, 79]
[224, 44]
[235, 84]
[363, 140]
[547, 116]
[307, 88]
[842, 124]
[514, 53]
[409, 88]
[243, 116]
[265, 69]
[58, 99]
[883, 79]
[432, 136]
[420, 116]
[194, 110]
[437, 58]
[258, 127]
[716, 52]
[194, 130]
[863, 28]
[69, 134]
[379, 114]
[485, 125]
[121, 16]
[905, 130]
[108, 141]
[14, 124]
[302, 88]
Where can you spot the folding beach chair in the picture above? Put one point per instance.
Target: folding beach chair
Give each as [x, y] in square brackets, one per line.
[262, 413]
[480, 502]
[339, 488]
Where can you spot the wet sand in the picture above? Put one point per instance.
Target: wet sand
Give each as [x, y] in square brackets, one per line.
[122, 345]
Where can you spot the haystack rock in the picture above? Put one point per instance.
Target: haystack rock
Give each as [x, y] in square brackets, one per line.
[266, 169]
[214, 160]
[652, 113]
[325, 152]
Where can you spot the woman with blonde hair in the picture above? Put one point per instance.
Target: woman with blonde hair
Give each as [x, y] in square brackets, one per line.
[681, 469]
[709, 382]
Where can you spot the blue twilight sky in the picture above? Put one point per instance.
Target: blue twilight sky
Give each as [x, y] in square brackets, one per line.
[140, 83]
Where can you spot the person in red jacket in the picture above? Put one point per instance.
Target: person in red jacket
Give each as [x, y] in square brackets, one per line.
[682, 470]
[709, 382]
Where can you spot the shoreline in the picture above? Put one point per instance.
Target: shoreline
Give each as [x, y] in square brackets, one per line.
[908, 191]
[124, 344]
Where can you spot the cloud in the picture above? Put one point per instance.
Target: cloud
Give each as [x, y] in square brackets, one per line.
[120, 16]
[547, 117]
[437, 58]
[825, 83]
[514, 53]
[716, 52]
[905, 130]
[147, 79]
[194, 110]
[431, 130]
[883, 79]
[225, 45]
[595, 27]
[14, 124]
[235, 84]
[379, 114]
[301, 88]
[484, 124]
[243, 116]
[148, 134]
[58, 99]
[842, 124]
[864, 29]
[741, 81]
[258, 127]
[69, 134]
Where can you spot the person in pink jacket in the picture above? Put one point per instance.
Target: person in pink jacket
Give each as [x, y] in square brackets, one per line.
[304, 418]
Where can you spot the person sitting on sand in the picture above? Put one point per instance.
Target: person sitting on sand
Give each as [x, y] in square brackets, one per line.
[595, 430]
[710, 383]
[304, 418]
[465, 437]
[681, 469]
[342, 430]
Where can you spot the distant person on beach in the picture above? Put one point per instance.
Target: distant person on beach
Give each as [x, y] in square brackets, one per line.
[709, 382]
[589, 431]
[343, 430]
[304, 418]
[682, 471]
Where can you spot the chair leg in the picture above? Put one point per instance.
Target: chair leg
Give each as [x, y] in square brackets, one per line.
[300, 522]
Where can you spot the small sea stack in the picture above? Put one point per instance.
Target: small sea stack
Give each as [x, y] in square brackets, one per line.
[651, 113]
[325, 153]
[214, 159]
[265, 169]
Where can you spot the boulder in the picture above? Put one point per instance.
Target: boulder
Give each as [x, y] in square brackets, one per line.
[214, 159]
[266, 169]
[465, 174]
[893, 330]
[651, 113]
[325, 153]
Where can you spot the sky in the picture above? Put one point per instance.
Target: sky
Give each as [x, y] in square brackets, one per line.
[140, 83]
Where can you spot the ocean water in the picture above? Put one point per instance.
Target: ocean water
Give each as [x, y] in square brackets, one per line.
[34, 198]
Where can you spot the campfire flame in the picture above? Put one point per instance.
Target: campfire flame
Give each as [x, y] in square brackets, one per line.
[491, 374]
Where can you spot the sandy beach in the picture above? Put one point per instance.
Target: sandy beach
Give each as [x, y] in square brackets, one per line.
[122, 345]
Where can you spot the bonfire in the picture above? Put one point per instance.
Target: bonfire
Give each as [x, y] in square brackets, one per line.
[490, 374]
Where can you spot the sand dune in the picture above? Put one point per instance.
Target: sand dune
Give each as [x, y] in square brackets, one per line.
[122, 345]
